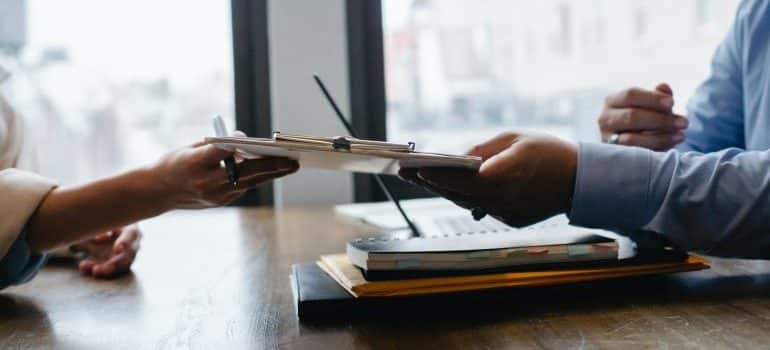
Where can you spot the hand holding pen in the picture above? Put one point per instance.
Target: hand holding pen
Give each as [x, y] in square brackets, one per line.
[232, 171]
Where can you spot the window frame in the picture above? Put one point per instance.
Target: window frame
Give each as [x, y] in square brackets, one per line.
[251, 75]
[368, 101]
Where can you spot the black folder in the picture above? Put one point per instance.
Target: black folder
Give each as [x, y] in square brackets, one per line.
[318, 298]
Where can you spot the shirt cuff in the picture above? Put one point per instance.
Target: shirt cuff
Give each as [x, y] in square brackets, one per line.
[20, 265]
[611, 187]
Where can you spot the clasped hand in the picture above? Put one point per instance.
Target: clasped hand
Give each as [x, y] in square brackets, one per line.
[643, 118]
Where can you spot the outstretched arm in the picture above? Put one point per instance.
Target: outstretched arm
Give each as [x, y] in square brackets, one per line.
[716, 203]
[188, 178]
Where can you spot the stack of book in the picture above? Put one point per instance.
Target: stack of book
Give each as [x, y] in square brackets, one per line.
[387, 267]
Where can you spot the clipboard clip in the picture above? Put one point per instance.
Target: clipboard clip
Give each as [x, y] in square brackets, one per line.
[341, 142]
[345, 143]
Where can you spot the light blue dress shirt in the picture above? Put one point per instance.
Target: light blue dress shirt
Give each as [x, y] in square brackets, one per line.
[712, 195]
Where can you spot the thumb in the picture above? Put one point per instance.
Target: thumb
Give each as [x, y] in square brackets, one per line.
[212, 154]
[239, 157]
[497, 144]
[664, 88]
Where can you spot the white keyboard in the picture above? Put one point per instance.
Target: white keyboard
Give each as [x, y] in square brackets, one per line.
[464, 224]
[437, 217]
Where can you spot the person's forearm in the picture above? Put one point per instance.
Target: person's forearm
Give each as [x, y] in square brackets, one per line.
[719, 203]
[716, 203]
[70, 214]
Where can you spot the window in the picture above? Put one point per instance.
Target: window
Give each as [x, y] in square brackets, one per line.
[457, 74]
[113, 84]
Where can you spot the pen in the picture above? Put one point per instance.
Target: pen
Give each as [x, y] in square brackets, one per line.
[377, 177]
[232, 171]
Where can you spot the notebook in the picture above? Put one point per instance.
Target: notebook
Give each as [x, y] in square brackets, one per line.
[480, 250]
[485, 247]
[343, 153]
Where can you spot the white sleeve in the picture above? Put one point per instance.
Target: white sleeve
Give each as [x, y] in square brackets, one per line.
[20, 195]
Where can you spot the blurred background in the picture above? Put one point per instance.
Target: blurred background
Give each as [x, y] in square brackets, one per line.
[459, 72]
[112, 84]
[108, 85]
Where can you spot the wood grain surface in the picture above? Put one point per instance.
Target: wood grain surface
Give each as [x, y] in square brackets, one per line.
[218, 279]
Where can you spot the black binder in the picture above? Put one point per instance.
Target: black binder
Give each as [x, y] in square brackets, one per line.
[318, 298]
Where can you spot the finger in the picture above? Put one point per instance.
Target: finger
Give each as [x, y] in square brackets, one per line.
[505, 165]
[461, 182]
[86, 266]
[462, 200]
[411, 175]
[635, 119]
[665, 88]
[257, 180]
[94, 250]
[640, 98]
[273, 166]
[116, 265]
[97, 251]
[493, 146]
[212, 155]
[198, 144]
[253, 178]
[103, 270]
[105, 237]
[267, 166]
[238, 156]
[657, 142]
[128, 240]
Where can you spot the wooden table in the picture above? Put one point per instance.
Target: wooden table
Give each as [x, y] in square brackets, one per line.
[219, 279]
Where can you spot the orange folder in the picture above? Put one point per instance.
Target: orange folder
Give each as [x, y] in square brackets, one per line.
[350, 277]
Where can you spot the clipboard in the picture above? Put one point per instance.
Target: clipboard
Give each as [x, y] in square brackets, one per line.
[343, 153]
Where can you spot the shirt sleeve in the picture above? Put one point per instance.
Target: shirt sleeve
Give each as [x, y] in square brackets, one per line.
[716, 109]
[21, 193]
[716, 203]
[20, 264]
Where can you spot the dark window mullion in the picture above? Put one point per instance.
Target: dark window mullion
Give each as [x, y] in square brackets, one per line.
[251, 65]
[367, 91]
